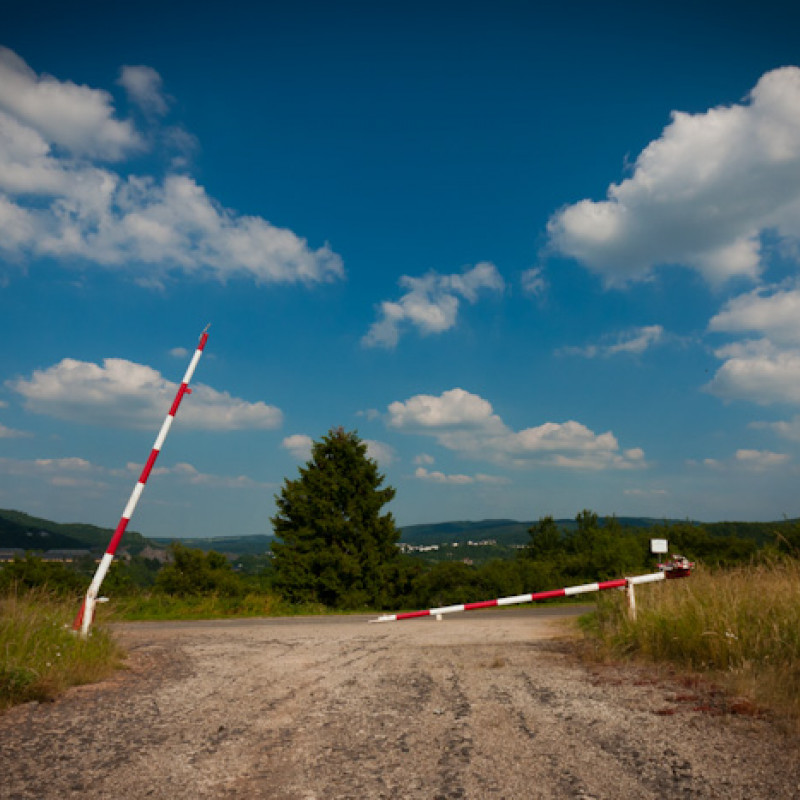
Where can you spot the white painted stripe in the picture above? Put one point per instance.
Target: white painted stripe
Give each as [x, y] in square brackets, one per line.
[192, 364]
[510, 601]
[587, 587]
[163, 432]
[447, 609]
[135, 495]
[656, 576]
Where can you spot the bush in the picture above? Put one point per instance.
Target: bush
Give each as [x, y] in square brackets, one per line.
[193, 572]
[33, 573]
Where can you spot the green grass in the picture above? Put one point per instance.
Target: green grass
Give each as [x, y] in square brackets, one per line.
[740, 627]
[39, 654]
[157, 606]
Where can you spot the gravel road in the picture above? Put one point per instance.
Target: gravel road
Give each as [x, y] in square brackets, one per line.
[481, 705]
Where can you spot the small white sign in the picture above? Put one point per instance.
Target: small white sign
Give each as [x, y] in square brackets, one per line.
[659, 546]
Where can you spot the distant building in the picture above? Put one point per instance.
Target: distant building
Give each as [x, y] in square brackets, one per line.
[10, 553]
[156, 554]
[66, 556]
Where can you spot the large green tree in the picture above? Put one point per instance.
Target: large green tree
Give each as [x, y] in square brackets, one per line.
[333, 545]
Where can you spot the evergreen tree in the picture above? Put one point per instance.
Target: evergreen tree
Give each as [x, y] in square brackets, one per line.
[334, 545]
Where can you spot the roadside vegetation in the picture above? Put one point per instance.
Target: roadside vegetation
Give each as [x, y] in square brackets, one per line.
[739, 628]
[40, 655]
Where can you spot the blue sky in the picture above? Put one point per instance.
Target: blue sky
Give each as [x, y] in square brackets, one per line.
[542, 259]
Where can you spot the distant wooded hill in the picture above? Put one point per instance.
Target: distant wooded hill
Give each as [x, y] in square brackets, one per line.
[18, 529]
[235, 545]
[503, 531]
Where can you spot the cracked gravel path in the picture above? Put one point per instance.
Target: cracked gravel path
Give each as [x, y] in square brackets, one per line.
[482, 705]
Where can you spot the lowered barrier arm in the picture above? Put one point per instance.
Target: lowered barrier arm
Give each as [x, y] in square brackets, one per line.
[677, 567]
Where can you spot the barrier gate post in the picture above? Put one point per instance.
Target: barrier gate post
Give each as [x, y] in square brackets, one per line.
[86, 613]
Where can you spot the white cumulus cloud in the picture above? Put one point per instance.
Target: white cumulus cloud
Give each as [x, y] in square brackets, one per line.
[59, 197]
[700, 195]
[758, 372]
[772, 314]
[453, 408]
[299, 445]
[125, 394]
[431, 303]
[466, 423]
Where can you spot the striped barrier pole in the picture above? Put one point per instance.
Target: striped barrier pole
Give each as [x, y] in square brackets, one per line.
[569, 591]
[86, 613]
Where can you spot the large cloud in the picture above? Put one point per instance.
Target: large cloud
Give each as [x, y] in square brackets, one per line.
[59, 198]
[466, 423]
[700, 195]
[125, 394]
[431, 303]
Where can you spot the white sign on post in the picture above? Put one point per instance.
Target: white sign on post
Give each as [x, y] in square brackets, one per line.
[659, 546]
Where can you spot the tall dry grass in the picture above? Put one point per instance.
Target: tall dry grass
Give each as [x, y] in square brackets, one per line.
[39, 654]
[740, 626]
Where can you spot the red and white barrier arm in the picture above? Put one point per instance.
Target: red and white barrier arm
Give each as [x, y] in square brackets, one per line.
[86, 613]
[569, 591]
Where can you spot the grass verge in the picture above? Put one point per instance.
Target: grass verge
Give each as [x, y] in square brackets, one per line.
[39, 654]
[157, 606]
[741, 628]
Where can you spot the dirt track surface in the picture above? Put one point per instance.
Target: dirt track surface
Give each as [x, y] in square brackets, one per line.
[481, 705]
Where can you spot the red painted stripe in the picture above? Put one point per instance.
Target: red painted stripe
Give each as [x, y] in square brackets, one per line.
[76, 625]
[548, 595]
[148, 466]
[411, 614]
[202, 343]
[114, 543]
[480, 604]
[177, 401]
[616, 584]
